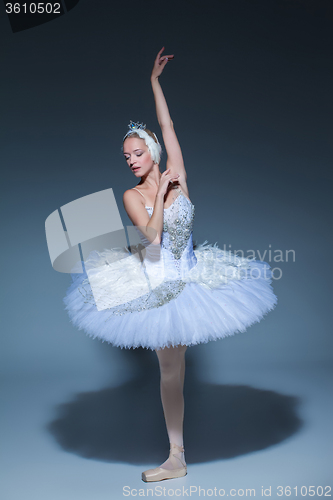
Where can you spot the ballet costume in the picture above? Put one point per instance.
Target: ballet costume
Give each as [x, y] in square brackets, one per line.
[168, 294]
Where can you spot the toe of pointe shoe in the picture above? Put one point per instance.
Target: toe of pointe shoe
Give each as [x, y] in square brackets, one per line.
[159, 474]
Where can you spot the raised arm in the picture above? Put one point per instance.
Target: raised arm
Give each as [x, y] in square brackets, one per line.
[174, 154]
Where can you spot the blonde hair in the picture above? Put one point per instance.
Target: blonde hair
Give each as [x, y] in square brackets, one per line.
[149, 132]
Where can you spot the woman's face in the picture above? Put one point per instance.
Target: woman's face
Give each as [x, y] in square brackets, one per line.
[137, 156]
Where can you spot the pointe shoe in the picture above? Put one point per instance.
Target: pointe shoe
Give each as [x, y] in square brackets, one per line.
[159, 474]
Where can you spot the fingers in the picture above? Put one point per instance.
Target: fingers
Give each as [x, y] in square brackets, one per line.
[171, 56]
[158, 57]
[169, 177]
[168, 170]
[165, 59]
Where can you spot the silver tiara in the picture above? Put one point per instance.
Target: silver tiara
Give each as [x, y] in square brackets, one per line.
[133, 126]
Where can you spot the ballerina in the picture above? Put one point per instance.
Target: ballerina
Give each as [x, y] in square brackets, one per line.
[195, 296]
[155, 189]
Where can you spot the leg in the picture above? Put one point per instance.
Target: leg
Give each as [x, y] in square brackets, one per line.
[182, 370]
[172, 368]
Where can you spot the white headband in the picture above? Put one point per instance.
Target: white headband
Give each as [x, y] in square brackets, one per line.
[154, 148]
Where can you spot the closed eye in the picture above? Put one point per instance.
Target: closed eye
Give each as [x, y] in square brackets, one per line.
[137, 154]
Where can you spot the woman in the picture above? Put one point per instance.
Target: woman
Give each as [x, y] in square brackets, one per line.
[193, 296]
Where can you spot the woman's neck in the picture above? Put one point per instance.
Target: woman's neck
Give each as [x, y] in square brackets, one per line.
[152, 179]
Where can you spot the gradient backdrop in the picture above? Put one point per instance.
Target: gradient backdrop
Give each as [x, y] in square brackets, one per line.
[250, 95]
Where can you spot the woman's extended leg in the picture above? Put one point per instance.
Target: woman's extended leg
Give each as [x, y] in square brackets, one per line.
[172, 368]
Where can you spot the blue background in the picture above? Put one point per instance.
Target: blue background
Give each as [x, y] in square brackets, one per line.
[249, 92]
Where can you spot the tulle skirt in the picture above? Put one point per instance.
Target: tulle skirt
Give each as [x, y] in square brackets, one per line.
[222, 294]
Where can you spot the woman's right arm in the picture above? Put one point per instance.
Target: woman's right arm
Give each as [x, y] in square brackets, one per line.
[151, 227]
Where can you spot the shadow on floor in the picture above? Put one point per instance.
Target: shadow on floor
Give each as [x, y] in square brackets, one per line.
[126, 423]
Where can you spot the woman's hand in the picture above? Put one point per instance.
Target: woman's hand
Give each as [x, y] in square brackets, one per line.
[160, 63]
[165, 179]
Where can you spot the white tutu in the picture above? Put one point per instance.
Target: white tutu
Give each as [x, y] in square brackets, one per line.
[175, 295]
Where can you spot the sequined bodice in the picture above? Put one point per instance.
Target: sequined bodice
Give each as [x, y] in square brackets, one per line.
[176, 249]
[177, 225]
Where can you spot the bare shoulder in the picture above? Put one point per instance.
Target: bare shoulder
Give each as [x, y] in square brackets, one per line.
[135, 207]
[131, 194]
[132, 198]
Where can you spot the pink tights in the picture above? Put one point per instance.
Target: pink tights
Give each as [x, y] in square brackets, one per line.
[172, 368]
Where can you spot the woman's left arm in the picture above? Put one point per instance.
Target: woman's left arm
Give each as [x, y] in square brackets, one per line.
[174, 154]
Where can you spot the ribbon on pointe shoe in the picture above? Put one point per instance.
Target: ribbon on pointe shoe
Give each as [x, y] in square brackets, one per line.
[159, 474]
[180, 449]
